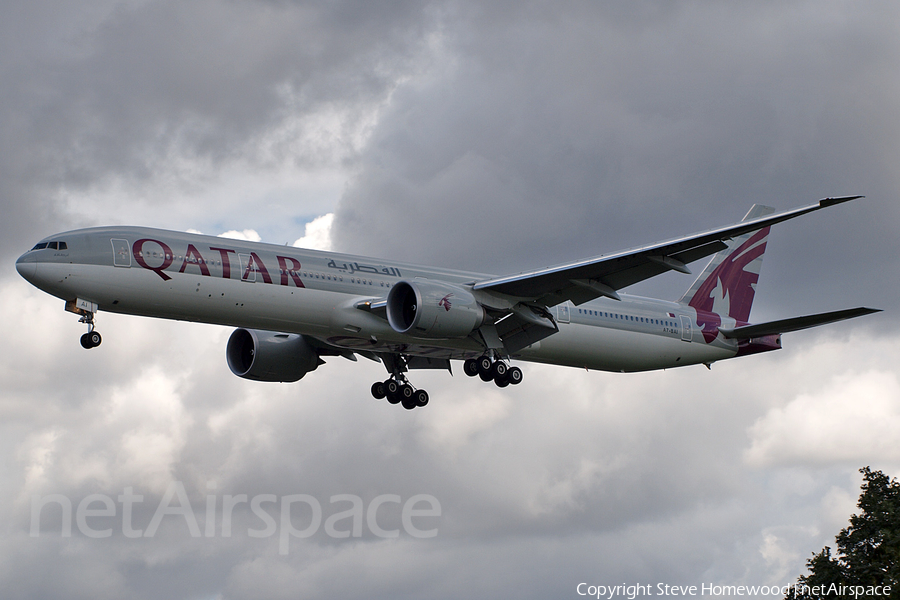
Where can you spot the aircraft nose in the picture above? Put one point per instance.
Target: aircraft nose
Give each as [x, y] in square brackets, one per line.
[27, 266]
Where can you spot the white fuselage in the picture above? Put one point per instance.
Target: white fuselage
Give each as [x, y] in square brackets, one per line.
[172, 275]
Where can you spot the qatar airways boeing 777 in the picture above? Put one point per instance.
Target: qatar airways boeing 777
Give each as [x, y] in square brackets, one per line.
[292, 306]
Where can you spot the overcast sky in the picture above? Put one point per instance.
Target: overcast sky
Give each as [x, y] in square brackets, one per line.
[496, 137]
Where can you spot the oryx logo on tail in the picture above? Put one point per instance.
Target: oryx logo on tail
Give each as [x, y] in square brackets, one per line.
[727, 286]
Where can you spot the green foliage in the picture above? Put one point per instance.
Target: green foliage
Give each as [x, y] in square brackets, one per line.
[868, 551]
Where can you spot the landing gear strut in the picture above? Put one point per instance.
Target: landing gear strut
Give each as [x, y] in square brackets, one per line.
[493, 369]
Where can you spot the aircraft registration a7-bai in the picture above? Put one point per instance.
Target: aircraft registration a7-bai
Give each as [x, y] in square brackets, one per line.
[292, 306]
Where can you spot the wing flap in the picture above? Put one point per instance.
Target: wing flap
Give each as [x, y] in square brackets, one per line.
[525, 326]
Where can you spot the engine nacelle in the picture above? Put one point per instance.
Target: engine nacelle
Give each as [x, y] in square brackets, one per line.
[270, 356]
[433, 309]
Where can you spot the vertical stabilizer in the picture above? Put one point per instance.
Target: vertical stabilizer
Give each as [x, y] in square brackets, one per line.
[727, 285]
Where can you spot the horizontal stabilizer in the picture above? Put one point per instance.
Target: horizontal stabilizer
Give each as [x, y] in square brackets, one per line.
[795, 323]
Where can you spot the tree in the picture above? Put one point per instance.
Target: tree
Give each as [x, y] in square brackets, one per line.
[868, 550]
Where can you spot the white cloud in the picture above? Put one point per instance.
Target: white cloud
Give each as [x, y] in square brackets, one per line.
[779, 556]
[854, 418]
[836, 506]
[317, 235]
[249, 235]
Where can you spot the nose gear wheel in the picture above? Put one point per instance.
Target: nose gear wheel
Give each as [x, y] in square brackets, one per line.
[90, 340]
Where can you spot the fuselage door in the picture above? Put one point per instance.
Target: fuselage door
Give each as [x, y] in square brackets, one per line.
[686, 331]
[121, 253]
[248, 268]
[562, 312]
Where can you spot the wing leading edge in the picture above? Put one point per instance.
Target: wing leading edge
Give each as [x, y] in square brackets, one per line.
[606, 274]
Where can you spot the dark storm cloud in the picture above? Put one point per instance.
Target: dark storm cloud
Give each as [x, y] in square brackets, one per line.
[547, 136]
[214, 76]
[130, 90]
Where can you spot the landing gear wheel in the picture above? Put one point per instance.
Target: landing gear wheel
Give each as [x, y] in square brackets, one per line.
[90, 340]
[378, 390]
[484, 366]
[407, 396]
[392, 391]
[498, 371]
[470, 367]
[502, 382]
[421, 397]
[514, 375]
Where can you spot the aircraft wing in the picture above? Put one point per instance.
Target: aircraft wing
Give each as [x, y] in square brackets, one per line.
[602, 276]
[795, 323]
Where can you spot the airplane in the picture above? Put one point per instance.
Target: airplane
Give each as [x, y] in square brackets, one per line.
[291, 307]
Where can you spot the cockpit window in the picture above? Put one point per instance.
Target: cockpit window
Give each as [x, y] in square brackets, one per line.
[51, 246]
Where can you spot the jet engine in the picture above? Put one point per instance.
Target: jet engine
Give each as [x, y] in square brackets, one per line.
[433, 309]
[270, 356]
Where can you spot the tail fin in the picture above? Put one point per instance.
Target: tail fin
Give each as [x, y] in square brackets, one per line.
[728, 283]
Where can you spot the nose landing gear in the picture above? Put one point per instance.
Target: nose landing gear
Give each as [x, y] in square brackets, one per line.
[86, 310]
[92, 338]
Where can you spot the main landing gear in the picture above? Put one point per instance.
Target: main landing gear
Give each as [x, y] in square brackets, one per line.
[491, 369]
[397, 390]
